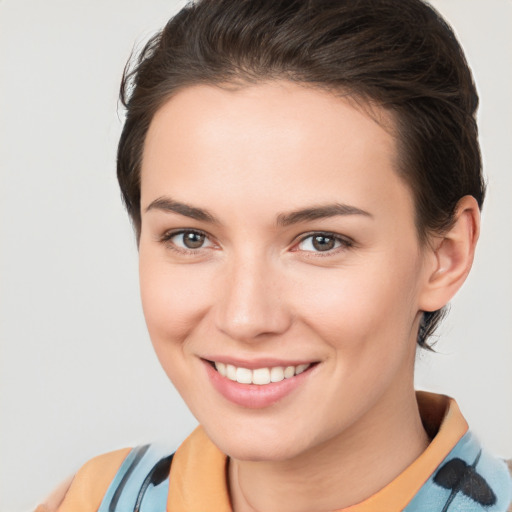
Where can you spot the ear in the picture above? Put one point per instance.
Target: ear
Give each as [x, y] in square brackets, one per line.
[451, 256]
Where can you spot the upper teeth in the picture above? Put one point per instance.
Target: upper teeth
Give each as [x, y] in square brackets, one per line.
[259, 376]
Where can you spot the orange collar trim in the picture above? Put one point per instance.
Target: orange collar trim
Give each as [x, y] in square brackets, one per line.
[198, 474]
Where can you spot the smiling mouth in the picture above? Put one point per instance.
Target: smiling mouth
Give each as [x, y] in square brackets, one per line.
[259, 376]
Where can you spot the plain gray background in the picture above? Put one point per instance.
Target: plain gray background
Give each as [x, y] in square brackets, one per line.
[78, 375]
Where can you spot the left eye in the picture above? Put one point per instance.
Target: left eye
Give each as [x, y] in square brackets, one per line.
[321, 242]
[189, 240]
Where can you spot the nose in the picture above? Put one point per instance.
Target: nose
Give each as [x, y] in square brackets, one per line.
[251, 304]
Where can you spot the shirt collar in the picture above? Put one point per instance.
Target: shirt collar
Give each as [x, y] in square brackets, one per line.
[199, 479]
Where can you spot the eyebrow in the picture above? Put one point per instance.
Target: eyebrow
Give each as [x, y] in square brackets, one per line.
[319, 212]
[167, 204]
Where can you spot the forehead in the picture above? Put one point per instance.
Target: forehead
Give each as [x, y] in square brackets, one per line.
[273, 140]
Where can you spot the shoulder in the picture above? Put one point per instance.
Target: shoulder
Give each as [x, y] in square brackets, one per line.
[88, 487]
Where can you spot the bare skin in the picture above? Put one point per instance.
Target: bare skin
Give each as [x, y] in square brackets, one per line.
[52, 502]
[327, 480]
[275, 227]
[252, 286]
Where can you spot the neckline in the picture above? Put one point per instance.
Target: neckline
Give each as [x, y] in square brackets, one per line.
[199, 479]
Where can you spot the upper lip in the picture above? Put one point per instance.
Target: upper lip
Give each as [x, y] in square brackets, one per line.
[260, 362]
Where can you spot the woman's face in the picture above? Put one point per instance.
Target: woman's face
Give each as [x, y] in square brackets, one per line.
[279, 243]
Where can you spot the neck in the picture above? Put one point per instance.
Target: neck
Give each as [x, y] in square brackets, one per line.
[343, 471]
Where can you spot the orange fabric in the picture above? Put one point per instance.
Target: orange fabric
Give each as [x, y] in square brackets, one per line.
[436, 411]
[198, 471]
[198, 477]
[91, 482]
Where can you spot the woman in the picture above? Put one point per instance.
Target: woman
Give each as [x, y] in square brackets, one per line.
[304, 180]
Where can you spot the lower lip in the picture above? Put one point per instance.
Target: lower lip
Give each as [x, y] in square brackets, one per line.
[253, 396]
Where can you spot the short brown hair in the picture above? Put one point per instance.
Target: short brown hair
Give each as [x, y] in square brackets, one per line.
[398, 54]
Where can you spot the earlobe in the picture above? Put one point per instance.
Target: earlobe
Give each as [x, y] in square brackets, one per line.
[452, 256]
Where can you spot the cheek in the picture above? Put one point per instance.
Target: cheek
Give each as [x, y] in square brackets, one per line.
[175, 302]
[173, 299]
[374, 303]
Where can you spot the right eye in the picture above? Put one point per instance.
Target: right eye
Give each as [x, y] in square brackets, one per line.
[187, 240]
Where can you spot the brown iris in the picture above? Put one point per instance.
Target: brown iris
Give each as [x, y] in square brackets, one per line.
[323, 243]
[193, 240]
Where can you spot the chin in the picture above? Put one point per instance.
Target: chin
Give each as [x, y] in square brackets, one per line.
[270, 446]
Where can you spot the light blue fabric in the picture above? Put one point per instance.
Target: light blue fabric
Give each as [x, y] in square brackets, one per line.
[472, 479]
[433, 497]
[127, 487]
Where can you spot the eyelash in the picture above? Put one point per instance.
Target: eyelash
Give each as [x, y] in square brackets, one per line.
[344, 242]
[166, 239]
